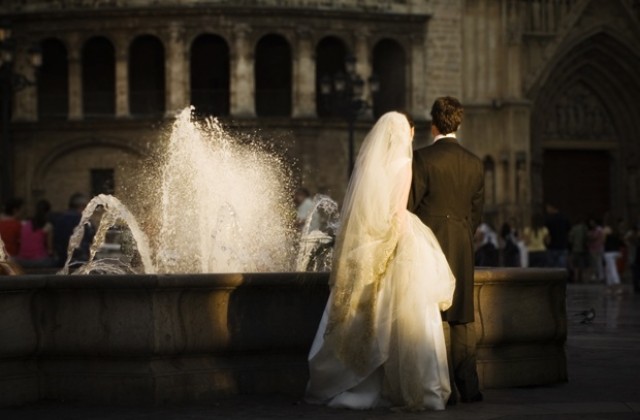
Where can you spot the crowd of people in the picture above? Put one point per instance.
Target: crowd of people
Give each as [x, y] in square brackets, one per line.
[40, 240]
[592, 250]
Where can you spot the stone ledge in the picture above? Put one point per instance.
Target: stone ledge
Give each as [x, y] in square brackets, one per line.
[181, 338]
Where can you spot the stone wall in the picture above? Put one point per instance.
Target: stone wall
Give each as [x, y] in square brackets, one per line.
[360, 5]
[510, 61]
[55, 159]
[178, 338]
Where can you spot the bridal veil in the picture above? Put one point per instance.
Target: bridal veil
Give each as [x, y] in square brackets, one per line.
[381, 333]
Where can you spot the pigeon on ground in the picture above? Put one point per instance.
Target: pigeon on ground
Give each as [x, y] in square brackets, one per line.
[587, 316]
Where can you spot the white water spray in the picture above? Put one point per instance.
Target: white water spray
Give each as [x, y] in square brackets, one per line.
[221, 206]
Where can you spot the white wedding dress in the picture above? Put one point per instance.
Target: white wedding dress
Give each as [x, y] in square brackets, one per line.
[380, 341]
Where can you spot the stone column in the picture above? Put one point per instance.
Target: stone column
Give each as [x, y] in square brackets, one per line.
[304, 77]
[415, 88]
[25, 105]
[122, 77]
[364, 68]
[242, 75]
[502, 181]
[75, 78]
[363, 63]
[176, 69]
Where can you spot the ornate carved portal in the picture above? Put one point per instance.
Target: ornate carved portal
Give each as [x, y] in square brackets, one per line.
[579, 142]
[578, 114]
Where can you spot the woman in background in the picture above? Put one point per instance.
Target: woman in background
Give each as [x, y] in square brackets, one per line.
[36, 239]
[537, 238]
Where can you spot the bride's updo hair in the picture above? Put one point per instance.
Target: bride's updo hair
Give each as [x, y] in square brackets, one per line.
[409, 118]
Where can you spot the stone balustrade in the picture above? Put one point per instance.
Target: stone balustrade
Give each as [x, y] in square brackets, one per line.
[186, 338]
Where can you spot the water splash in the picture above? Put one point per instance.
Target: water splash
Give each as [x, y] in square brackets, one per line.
[6, 267]
[225, 205]
[110, 211]
[3, 252]
[209, 203]
[315, 252]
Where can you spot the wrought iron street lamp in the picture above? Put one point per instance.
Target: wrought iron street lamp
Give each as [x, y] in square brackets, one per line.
[342, 93]
[10, 82]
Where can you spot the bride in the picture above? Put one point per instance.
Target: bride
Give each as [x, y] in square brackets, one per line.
[380, 341]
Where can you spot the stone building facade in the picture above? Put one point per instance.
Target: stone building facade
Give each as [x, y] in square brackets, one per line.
[550, 88]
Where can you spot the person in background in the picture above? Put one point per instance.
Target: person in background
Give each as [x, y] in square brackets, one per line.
[632, 240]
[537, 238]
[486, 240]
[595, 240]
[579, 252]
[63, 226]
[509, 248]
[36, 239]
[558, 226]
[612, 246]
[10, 226]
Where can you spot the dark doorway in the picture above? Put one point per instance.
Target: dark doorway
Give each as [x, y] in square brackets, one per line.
[53, 81]
[146, 76]
[389, 64]
[578, 182]
[102, 181]
[210, 75]
[98, 78]
[330, 60]
[273, 72]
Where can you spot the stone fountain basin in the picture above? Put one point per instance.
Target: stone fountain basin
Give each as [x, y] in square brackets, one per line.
[187, 338]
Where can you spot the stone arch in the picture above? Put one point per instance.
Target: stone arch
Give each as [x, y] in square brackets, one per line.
[86, 37]
[256, 36]
[192, 34]
[51, 158]
[585, 102]
[555, 53]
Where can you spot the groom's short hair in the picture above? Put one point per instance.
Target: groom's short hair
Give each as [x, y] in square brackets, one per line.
[446, 114]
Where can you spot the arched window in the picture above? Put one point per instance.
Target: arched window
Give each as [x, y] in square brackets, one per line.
[210, 75]
[146, 76]
[98, 78]
[273, 76]
[330, 60]
[389, 64]
[53, 82]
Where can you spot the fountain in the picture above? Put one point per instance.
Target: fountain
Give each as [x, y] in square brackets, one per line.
[225, 205]
[221, 206]
[208, 305]
[317, 237]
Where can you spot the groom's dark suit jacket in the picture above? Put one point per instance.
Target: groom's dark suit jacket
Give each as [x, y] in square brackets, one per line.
[447, 194]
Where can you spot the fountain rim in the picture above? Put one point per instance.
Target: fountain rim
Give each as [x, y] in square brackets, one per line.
[234, 280]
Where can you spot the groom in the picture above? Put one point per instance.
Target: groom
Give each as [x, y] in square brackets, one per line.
[447, 194]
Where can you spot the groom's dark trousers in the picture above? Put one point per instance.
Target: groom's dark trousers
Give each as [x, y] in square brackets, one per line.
[447, 194]
[461, 352]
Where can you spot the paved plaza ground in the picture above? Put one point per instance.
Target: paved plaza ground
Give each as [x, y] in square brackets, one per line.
[604, 382]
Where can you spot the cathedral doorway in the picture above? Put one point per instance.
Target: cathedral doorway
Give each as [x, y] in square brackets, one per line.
[584, 131]
[578, 182]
